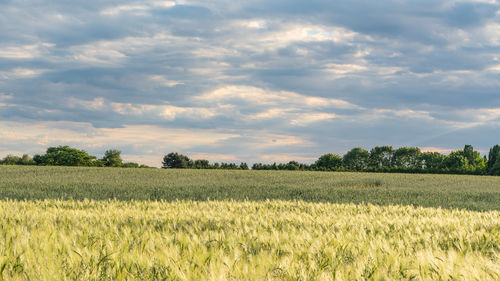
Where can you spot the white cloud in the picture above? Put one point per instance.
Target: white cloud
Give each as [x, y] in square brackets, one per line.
[307, 118]
[138, 9]
[271, 113]
[248, 94]
[95, 104]
[96, 54]
[253, 24]
[164, 4]
[164, 81]
[143, 143]
[341, 68]
[165, 112]
[344, 68]
[4, 97]
[307, 33]
[85, 135]
[21, 73]
[407, 113]
[495, 68]
[19, 52]
[113, 11]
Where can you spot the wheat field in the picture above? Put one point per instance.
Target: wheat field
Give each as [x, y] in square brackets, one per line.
[478, 193]
[229, 240]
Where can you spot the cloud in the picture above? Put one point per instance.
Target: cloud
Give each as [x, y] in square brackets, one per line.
[264, 97]
[140, 142]
[21, 73]
[321, 76]
[19, 52]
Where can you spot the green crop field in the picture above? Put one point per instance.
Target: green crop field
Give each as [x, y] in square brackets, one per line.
[480, 193]
[68, 223]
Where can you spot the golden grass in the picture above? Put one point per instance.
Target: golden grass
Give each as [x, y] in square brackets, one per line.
[229, 240]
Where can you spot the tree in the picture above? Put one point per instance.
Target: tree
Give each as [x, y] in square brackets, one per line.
[130, 165]
[469, 153]
[64, 156]
[26, 160]
[201, 164]
[292, 165]
[495, 168]
[11, 160]
[492, 157]
[407, 158]
[329, 162]
[356, 159]
[257, 166]
[432, 161]
[479, 164]
[177, 161]
[112, 158]
[229, 166]
[476, 162]
[457, 162]
[381, 157]
[243, 166]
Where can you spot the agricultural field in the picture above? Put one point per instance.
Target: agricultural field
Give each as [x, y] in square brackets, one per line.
[270, 240]
[68, 223]
[479, 193]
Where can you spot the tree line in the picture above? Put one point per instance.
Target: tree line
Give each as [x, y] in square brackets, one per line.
[68, 156]
[378, 159]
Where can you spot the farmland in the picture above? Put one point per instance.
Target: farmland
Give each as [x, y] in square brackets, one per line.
[480, 193]
[68, 223]
[273, 240]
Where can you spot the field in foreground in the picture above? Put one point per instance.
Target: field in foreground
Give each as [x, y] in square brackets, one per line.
[274, 240]
[481, 193]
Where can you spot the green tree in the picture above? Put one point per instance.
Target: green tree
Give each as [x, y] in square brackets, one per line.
[478, 163]
[11, 160]
[130, 165]
[292, 165]
[475, 161]
[457, 162]
[469, 153]
[201, 164]
[381, 157]
[356, 159]
[112, 158]
[26, 160]
[243, 166]
[177, 161]
[64, 156]
[492, 157]
[407, 158]
[329, 162]
[495, 168]
[432, 161]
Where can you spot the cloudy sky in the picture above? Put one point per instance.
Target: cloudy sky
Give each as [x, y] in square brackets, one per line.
[254, 81]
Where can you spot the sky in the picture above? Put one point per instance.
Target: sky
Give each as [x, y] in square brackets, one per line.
[253, 81]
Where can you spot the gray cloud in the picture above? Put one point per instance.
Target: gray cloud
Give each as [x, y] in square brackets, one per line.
[323, 76]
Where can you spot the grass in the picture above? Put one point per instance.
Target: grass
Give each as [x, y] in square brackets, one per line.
[480, 193]
[69, 223]
[229, 240]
